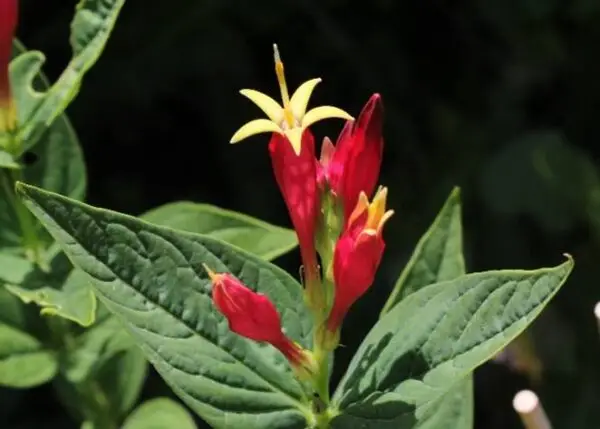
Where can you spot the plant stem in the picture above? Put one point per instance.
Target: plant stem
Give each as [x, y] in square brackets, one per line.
[30, 239]
[322, 376]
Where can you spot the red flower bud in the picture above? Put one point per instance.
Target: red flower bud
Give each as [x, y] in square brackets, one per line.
[8, 25]
[296, 176]
[252, 315]
[357, 255]
[353, 165]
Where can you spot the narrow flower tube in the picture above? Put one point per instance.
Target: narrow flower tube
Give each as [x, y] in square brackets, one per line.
[352, 166]
[356, 258]
[296, 177]
[252, 315]
[8, 25]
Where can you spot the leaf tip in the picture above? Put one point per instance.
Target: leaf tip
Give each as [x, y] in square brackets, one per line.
[570, 259]
[20, 188]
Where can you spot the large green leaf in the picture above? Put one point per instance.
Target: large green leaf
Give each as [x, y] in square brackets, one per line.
[160, 413]
[24, 360]
[90, 29]
[253, 235]
[435, 337]
[438, 257]
[151, 278]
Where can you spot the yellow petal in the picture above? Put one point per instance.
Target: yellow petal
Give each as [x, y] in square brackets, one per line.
[384, 219]
[257, 126]
[265, 103]
[300, 98]
[323, 112]
[361, 205]
[377, 207]
[294, 135]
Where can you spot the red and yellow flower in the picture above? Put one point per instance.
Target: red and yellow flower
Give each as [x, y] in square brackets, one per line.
[327, 199]
[356, 258]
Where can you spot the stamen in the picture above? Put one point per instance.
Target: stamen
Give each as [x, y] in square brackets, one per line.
[285, 96]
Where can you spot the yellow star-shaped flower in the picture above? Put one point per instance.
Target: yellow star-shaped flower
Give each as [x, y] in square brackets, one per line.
[289, 119]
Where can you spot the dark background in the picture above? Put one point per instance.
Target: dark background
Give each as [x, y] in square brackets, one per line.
[500, 97]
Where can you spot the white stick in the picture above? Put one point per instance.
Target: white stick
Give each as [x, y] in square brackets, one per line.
[532, 414]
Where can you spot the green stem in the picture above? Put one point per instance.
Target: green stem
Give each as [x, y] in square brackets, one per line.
[322, 376]
[30, 239]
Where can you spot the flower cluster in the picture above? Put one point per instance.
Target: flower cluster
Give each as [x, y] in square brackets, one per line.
[339, 229]
[8, 25]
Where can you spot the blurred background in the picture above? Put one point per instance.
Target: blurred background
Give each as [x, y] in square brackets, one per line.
[499, 97]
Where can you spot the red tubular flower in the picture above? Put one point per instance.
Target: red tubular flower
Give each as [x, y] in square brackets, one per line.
[357, 256]
[252, 315]
[296, 176]
[8, 25]
[353, 165]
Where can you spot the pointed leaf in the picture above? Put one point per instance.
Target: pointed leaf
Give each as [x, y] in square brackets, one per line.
[90, 29]
[151, 277]
[253, 235]
[435, 337]
[438, 255]
[160, 413]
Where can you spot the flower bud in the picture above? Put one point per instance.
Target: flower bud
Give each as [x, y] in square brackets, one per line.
[352, 165]
[252, 315]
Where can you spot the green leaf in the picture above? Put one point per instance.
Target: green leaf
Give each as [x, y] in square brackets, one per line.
[7, 160]
[59, 164]
[160, 413]
[105, 360]
[151, 277]
[95, 346]
[61, 291]
[435, 337]
[90, 29]
[115, 383]
[454, 410]
[24, 361]
[122, 378]
[438, 255]
[253, 235]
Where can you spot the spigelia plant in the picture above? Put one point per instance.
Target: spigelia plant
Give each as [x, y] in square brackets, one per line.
[239, 340]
